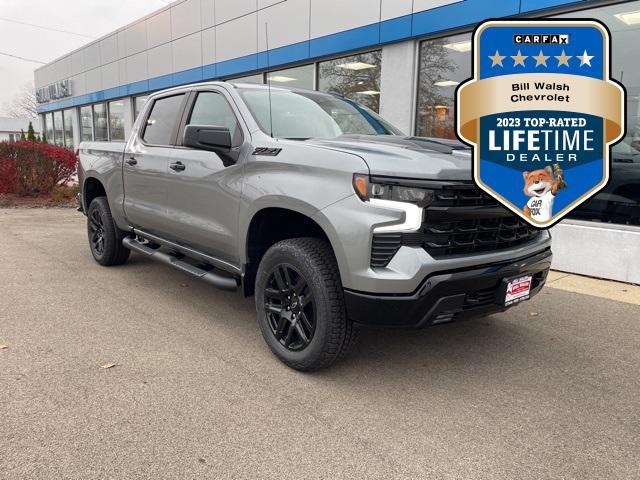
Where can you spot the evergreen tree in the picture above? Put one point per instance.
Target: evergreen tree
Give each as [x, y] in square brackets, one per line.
[31, 134]
[38, 139]
[22, 137]
[44, 138]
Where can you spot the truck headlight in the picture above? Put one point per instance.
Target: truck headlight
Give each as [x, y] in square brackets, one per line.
[368, 190]
[410, 200]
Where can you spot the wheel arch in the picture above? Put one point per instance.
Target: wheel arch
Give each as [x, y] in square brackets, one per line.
[91, 188]
[270, 225]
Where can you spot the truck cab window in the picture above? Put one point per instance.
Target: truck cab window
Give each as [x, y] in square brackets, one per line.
[212, 109]
[162, 120]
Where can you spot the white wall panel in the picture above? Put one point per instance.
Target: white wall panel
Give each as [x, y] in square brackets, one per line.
[185, 18]
[420, 5]
[92, 56]
[209, 46]
[110, 75]
[109, 49]
[267, 3]
[93, 79]
[231, 45]
[207, 10]
[187, 52]
[122, 43]
[395, 8]
[122, 71]
[159, 29]
[78, 85]
[136, 36]
[77, 62]
[229, 9]
[331, 16]
[283, 31]
[159, 60]
[63, 68]
[137, 67]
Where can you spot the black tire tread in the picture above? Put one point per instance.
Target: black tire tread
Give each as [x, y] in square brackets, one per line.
[116, 253]
[342, 334]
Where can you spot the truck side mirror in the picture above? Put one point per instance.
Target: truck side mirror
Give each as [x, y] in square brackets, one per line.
[212, 139]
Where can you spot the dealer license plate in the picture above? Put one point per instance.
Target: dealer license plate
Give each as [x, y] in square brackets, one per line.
[517, 289]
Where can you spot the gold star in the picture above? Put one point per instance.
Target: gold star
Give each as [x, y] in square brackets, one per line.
[541, 59]
[497, 59]
[585, 58]
[563, 59]
[518, 59]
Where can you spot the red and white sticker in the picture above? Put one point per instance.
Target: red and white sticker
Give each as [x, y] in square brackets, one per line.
[518, 289]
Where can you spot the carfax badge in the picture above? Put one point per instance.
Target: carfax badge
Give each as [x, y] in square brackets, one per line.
[541, 113]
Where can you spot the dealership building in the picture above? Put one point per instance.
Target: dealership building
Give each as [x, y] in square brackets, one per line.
[401, 58]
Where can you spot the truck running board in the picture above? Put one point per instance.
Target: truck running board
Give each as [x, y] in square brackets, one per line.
[215, 279]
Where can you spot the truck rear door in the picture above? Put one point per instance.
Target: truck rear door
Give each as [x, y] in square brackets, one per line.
[146, 165]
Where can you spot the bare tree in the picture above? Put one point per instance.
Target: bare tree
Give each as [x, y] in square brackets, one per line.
[23, 104]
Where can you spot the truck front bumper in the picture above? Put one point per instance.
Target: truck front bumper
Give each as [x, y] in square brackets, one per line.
[447, 295]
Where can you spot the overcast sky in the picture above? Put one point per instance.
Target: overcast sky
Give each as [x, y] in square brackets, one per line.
[88, 17]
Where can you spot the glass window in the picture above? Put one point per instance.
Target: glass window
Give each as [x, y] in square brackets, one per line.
[619, 202]
[212, 109]
[139, 103]
[49, 127]
[302, 115]
[100, 127]
[162, 120]
[58, 131]
[443, 64]
[257, 78]
[298, 77]
[86, 124]
[356, 77]
[12, 138]
[68, 128]
[116, 121]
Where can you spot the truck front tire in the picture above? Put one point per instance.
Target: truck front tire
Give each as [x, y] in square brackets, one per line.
[105, 238]
[300, 304]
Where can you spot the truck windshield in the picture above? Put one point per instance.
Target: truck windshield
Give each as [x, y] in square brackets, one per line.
[303, 114]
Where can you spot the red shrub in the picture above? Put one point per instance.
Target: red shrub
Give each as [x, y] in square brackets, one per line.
[29, 168]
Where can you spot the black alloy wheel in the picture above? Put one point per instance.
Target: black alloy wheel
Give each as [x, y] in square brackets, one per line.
[105, 238]
[290, 307]
[96, 232]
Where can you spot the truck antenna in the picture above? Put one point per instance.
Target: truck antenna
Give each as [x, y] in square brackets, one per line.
[266, 33]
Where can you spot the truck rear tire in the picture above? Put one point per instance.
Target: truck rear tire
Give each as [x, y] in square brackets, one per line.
[105, 238]
[300, 304]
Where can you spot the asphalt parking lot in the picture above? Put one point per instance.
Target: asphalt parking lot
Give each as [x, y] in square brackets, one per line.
[549, 389]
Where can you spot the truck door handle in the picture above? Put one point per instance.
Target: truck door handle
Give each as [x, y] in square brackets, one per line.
[132, 161]
[177, 167]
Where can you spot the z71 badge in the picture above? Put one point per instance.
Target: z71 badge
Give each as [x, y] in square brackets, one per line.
[541, 113]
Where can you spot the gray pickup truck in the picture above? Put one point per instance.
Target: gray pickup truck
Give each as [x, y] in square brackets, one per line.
[313, 204]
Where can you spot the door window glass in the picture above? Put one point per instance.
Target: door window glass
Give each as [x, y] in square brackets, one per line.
[356, 77]
[58, 135]
[86, 124]
[162, 120]
[68, 128]
[212, 109]
[116, 120]
[100, 122]
[139, 104]
[298, 77]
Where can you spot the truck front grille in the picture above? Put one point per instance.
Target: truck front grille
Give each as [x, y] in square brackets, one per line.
[461, 220]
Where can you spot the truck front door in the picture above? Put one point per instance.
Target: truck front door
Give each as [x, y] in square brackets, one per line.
[204, 194]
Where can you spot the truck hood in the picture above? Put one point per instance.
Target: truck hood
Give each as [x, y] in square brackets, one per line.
[409, 157]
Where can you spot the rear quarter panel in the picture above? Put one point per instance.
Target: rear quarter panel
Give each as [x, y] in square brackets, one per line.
[103, 162]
